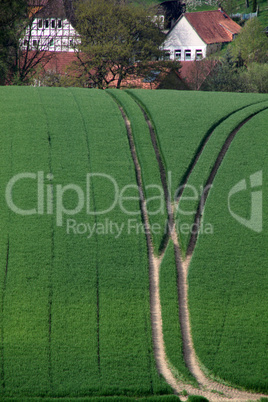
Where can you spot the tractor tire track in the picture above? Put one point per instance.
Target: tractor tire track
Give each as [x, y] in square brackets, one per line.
[162, 170]
[154, 266]
[204, 142]
[212, 390]
[189, 351]
[211, 178]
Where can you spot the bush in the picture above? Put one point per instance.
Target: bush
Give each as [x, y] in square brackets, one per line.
[197, 398]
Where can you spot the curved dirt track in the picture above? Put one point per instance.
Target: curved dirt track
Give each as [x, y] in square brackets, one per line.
[212, 390]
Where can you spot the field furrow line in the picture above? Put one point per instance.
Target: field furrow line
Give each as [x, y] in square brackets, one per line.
[52, 250]
[50, 296]
[2, 317]
[50, 301]
[92, 192]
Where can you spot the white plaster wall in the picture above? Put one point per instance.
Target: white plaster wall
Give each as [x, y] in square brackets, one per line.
[184, 37]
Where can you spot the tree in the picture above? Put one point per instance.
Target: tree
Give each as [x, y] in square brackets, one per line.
[226, 75]
[11, 15]
[18, 60]
[118, 40]
[251, 44]
[229, 6]
[255, 78]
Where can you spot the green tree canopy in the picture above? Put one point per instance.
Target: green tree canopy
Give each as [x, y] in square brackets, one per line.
[18, 64]
[12, 12]
[251, 44]
[118, 40]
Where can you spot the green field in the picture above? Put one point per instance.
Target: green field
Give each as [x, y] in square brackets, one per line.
[201, 171]
[75, 278]
[228, 274]
[65, 326]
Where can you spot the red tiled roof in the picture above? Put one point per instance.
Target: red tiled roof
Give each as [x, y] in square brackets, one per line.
[213, 26]
[196, 70]
[185, 68]
[59, 61]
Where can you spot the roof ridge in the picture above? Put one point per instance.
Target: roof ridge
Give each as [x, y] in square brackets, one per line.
[204, 11]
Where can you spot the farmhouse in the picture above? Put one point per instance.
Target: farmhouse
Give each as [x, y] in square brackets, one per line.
[50, 29]
[196, 35]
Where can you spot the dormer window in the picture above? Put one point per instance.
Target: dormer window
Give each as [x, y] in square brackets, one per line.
[46, 23]
[40, 23]
[53, 24]
[59, 23]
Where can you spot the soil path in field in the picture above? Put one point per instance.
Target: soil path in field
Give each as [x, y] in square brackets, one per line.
[208, 388]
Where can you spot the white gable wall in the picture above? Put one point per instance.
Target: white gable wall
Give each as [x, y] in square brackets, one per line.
[183, 37]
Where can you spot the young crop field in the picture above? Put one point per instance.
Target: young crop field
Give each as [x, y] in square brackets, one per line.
[180, 139]
[179, 130]
[200, 174]
[228, 274]
[66, 328]
[95, 303]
